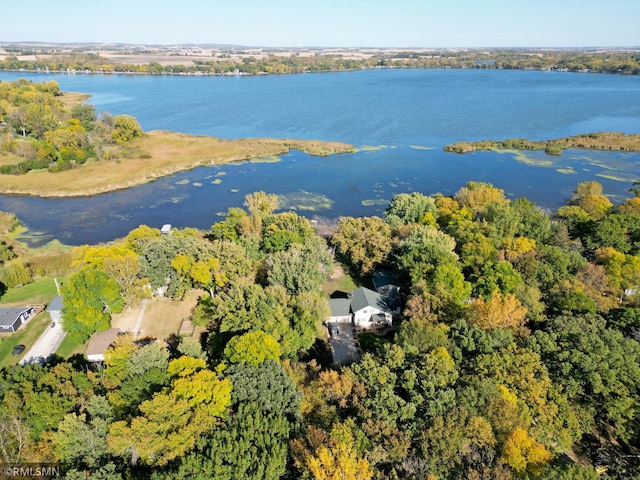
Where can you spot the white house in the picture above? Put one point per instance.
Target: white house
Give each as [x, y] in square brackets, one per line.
[369, 308]
[364, 308]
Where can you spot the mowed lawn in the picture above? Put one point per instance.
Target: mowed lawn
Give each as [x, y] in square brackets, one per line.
[41, 291]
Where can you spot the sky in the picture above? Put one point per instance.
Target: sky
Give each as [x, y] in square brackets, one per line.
[327, 23]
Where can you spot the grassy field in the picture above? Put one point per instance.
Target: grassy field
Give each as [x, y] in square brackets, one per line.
[340, 281]
[40, 291]
[27, 336]
[156, 154]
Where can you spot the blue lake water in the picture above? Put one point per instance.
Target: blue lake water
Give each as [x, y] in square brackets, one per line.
[400, 119]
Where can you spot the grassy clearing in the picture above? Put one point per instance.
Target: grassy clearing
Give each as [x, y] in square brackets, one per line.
[156, 154]
[69, 348]
[163, 316]
[340, 281]
[40, 291]
[27, 335]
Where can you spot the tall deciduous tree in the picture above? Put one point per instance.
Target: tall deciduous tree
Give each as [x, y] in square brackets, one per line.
[90, 297]
[366, 241]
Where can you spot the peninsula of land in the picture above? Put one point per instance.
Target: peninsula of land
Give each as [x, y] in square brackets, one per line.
[153, 155]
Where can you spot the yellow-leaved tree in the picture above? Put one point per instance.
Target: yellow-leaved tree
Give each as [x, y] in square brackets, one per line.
[501, 311]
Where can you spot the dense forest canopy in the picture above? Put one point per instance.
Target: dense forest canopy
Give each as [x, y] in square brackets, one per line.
[516, 354]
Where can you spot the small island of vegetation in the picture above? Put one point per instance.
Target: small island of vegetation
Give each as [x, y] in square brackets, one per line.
[589, 141]
[53, 145]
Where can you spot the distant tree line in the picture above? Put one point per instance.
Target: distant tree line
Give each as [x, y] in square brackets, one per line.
[616, 62]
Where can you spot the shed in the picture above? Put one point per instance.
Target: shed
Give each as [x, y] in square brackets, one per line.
[99, 344]
[166, 229]
[55, 310]
[12, 318]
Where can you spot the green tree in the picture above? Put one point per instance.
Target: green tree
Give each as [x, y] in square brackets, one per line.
[423, 250]
[125, 129]
[365, 241]
[89, 298]
[252, 348]
[300, 269]
[407, 208]
[252, 442]
[598, 368]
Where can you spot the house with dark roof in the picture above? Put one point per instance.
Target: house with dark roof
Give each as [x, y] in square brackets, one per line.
[387, 284]
[12, 318]
[363, 307]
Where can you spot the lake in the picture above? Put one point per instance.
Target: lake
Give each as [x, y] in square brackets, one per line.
[399, 119]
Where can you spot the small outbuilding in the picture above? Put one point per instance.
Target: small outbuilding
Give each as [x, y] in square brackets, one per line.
[166, 229]
[99, 344]
[12, 318]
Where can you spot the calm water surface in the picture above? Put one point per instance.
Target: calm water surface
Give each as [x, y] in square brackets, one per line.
[400, 119]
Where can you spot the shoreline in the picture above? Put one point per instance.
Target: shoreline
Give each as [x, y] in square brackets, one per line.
[157, 154]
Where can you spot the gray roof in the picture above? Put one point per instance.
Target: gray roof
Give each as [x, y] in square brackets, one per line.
[8, 315]
[339, 307]
[55, 305]
[363, 297]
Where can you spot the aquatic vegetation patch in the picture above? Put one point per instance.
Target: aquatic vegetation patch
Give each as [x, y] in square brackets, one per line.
[621, 177]
[269, 159]
[372, 148]
[185, 181]
[371, 202]
[304, 201]
[234, 190]
[197, 184]
[217, 181]
[566, 171]
[220, 174]
[520, 156]
[420, 147]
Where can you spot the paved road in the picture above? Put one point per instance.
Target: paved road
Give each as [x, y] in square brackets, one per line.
[343, 345]
[45, 346]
